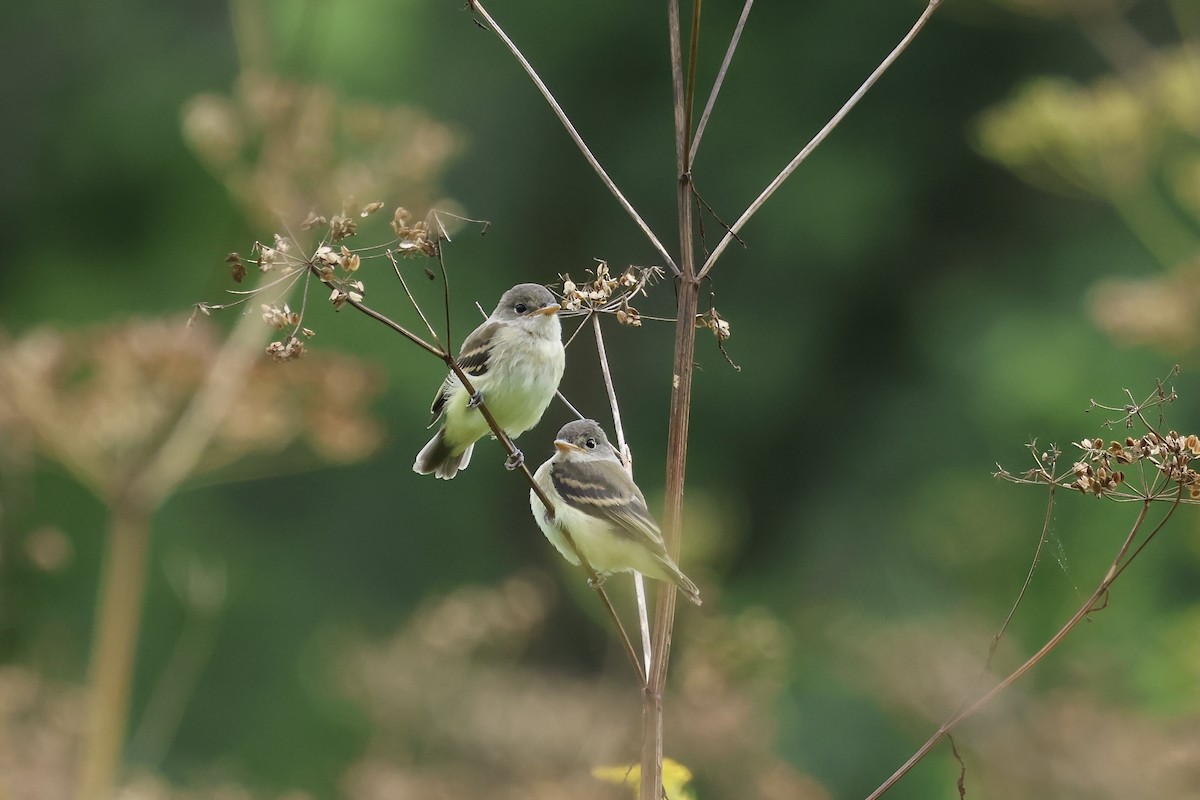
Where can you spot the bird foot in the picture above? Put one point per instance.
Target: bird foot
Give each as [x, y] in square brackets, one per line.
[596, 582]
[476, 399]
[514, 461]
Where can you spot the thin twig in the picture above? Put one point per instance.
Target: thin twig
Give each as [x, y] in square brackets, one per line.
[712, 96]
[574, 134]
[817, 140]
[398, 328]
[1037, 557]
[639, 582]
[563, 398]
[417, 306]
[571, 338]
[693, 59]
[1095, 602]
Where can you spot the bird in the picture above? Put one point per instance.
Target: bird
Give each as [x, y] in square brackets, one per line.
[601, 509]
[514, 360]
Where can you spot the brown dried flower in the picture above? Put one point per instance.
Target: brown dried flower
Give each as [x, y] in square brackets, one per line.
[341, 227]
[414, 239]
[101, 400]
[607, 294]
[283, 147]
[1171, 456]
[287, 350]
[237, 270]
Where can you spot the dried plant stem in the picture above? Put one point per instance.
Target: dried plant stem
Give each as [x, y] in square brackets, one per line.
[122, 582]
[1037, 557]
[1095, 602]
[716, 89]
[400, 329]
[118, 617]
[574, 134]
[688, 290]
[639, 582]
[689, 94]
[816, 141]
[183, 449]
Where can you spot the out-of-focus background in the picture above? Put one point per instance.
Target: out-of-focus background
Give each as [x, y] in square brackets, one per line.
[1006, 228]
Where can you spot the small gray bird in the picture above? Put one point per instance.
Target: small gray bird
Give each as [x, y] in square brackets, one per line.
[515, 360]
[602, 509]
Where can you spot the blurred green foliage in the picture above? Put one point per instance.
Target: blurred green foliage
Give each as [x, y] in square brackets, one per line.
[906, 314]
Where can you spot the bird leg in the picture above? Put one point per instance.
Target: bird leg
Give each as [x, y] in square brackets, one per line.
[596, 582]
[476, 399]
[515, 460]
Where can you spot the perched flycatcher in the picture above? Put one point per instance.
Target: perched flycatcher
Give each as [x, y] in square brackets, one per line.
[514, 360]
[602, 509]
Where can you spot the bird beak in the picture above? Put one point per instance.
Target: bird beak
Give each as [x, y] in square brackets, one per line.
[566, 447]
[553, 308]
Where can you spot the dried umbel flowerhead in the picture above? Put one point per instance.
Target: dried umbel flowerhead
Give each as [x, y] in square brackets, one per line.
[608, 294]
[1158, 311]
[714, 322]
[1170, 456]
[102, 400]
[283, 147]
[414, 239]
[285, 264]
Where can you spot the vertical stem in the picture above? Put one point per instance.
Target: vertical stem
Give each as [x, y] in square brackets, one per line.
[677, 437]
[122, 589]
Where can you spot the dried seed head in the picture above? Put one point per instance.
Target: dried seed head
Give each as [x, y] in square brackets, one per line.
[414, 240]
[267, 257]
[313, 220]
[280, 318]
[237, 270]
[341, 226]
[629, 316]
[287, 350]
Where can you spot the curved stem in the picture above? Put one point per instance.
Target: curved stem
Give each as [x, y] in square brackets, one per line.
[1095, 602]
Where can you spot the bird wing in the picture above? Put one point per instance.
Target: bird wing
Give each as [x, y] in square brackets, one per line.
[605, 491]
[473, 358]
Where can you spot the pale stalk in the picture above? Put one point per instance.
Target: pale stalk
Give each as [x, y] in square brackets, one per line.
[639, 582]
[718, 83]
[574, 134]
[114, 648]
[816, 141]
[122, 582]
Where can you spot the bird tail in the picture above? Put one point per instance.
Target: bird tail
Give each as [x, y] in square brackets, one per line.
[438, 458]
[681, 581]
[689, 589]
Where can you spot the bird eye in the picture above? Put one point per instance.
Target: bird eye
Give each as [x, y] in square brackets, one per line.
[591, 444]
[520, 308]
